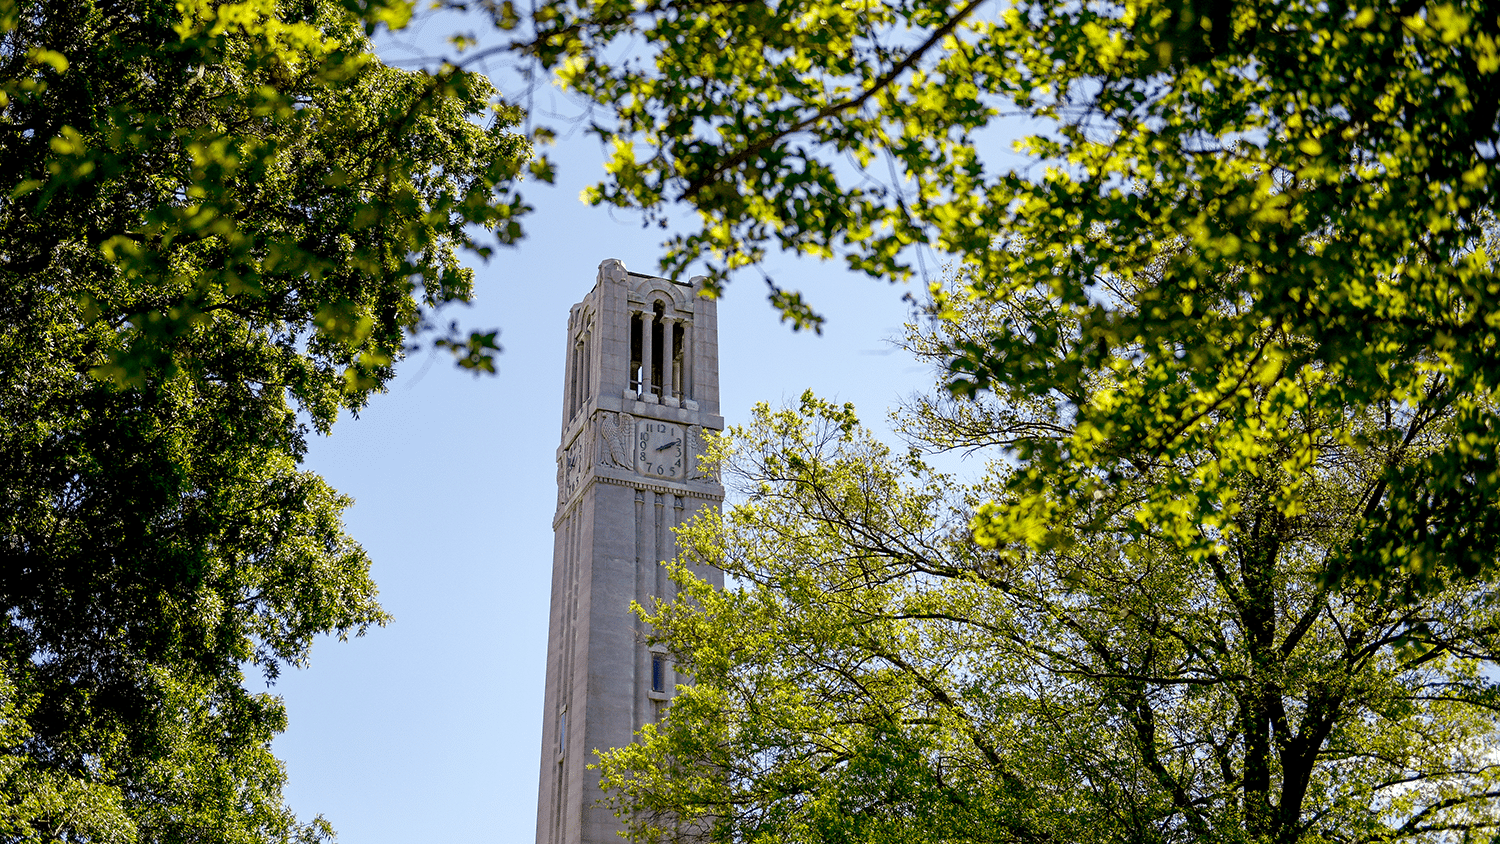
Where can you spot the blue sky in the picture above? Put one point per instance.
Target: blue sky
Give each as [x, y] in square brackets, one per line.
[429, 729]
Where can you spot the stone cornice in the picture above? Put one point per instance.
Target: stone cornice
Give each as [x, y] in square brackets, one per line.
[708, 491]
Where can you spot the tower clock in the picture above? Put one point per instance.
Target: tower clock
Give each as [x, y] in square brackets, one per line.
[660, 452]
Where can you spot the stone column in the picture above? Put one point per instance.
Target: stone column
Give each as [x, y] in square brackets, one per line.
[648, 354]
[687, 364]
[667, 397]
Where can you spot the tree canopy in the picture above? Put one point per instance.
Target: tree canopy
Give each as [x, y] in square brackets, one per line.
[220, 225]
[1227, 337]
[871, 674]
[1309, 186]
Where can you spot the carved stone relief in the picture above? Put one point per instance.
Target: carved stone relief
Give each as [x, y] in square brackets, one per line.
[696, 448]
[618, 433]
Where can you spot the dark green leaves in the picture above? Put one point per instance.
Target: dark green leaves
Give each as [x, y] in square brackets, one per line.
[1296, 196]
[220, 225]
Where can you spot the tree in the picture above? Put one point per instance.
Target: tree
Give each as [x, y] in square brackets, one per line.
[1325, 169]
[873, 674]
[220, 225]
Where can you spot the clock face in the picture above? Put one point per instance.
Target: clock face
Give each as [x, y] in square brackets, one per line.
[572, 466]
[659, 449]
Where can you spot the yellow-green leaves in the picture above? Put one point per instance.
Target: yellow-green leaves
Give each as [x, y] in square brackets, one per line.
[212, 142]
[395, 14]
[1027, 523]
[291, 42]
[53, 59]
[865, 653]
[1230, 327]
[1203, 188]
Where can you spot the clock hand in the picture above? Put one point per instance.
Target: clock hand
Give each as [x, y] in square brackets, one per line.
[668, 445]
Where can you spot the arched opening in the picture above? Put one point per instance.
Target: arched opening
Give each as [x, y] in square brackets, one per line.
[637, 375]
[679, 361]
[657, 348]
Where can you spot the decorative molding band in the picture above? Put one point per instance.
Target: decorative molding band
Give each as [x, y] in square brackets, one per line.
[714, 493]
[685, 492]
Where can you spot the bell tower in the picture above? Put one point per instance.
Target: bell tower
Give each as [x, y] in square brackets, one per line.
[640, 388]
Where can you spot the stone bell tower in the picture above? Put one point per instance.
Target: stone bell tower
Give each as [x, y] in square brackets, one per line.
[641, 386]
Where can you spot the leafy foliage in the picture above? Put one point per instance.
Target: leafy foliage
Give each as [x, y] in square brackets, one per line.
[1308, 187]
[871, 674]
[220, 224]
